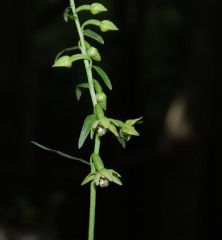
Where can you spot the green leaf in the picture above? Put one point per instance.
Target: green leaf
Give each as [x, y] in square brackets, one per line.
[67, 14]
[107, 174]
[117, 180]
[94, 22]
[65, 50]
[122, 141]
[77, 57]
[133, 121]
[60, 153]
[113, 130]
[115, 173]
[105, 122]
[93, 35]
[104, 76]
[79, 91]
[83, 8]
[83, 85]
[130, 130]
[88, 178]
[86, 129]
[116, 122]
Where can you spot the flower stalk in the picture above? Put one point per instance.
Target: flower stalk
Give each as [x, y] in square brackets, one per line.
[97, 124]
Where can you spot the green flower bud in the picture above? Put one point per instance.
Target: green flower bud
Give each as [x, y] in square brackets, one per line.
[107, 25]
[97, 86]
[102, 99]
[97, 161]
[96, 8]
[65, 61]
[94, 54]
[99, 111]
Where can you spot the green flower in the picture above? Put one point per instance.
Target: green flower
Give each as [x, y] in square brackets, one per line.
[106, 25]
[65, 61]
[127, 129]
[103, 178]
[96, 8]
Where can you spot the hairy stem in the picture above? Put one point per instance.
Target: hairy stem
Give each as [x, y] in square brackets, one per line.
[92, 208]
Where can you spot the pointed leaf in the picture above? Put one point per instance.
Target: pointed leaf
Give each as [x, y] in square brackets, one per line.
[104, 76]
[65, 50]
[77, 57]
[83, 85]
[115, 173]
[88, 178]
[105, 122]
[116, 122]
[93, 35]
[117, 180]
[86, 129]
[113, 129]
[60, 153]
[107, 174]
[122, 141]
[94, 22]
[133, 121]
[67, 14]
[78, 93]
[130, 130]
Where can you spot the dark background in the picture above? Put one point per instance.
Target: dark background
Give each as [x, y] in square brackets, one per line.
[165, 66]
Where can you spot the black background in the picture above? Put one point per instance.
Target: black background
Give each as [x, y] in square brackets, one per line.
[165, 51]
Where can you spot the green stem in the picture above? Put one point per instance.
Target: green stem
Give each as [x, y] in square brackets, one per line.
[92, 208]
[83, 50]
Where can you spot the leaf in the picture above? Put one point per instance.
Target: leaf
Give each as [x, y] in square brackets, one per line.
[115, 173]
[94, 22]
[112, 129]
[83, 85]
[104, 76]
[117, 180]
[105, 122]
[65, 50]
[60, 153]
[67, 13]
[93, 35]
[77, 57]
[130, 130]
[79, 91]
[88, 178]
[122, 141]
[116, 122]
[107, 174]
[133, 121]
[90, 119]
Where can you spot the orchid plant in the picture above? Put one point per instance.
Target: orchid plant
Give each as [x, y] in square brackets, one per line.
[97, 124]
